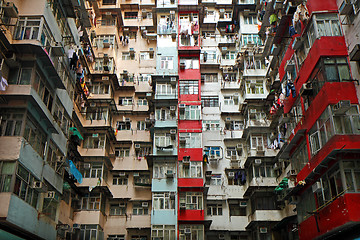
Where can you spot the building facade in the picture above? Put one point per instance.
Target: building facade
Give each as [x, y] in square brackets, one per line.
[179, 119]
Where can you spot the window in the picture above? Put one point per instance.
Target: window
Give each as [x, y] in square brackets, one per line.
[55, 159]
[141, 126]
[61, 116]
[231, 151]
[44, 92]
[120, 180]
[102, 41]
[142, 101]
[109, 2]
[251, 19]
[263, 170]
[214, 209]
[231, 100]
[235, 209]
[166, 63]
[192, 200]
[23, 182]
[229, 77]
[163, 201]
[209, 56]
[263, 202]
[7, 169]
[192, 112]
[163, 232]
[211, 125]
[127, 56]
[122, 152]
[300, 158]
[123, 126]
[35, 137]
[146, 56]
[254, 87]
[215, 180]
[250, 39]
[257, 114]
[99, 88]
[96, 140]
[28, 28]
[336, 69]
[138, 209]
[229, 55]
[235, 125]
[125, 101]
[258, 140]
[95, 171]
[165, 89]
[189, 87]
[213, 151]
[210, 101]
[91, 231]
[328, 25]
[190, 140]
[160, 170]
[131, 15]
[97, 113]
[240, 180]
[190, 63]
[116, 237]
[162, 139]
[11, 122]
[104, 64]
[118, 209]
[91, 202]
[163, 114]
[192, 170]
[196, 232]
[210, 77]
[50, 206]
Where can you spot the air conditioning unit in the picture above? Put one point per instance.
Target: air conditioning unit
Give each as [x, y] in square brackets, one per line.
[144, 13]
[148, 95]
[186, 160]
[131, 50]
[169, 173]
[173, 33]
[316, 187]
[92, 104]
[341, 107]
[108, 13]
[95, 135]
[76, 226]
[263, 230]
[172, 108]
[243, 204]
[291, 173]
[231, 175]
[93, 34]
[182, 64]
[172, 13]
[221, 236]
[136, 174]
[137, 146]
[50, 194]
[105, 78]
[239, 147]
[182, 106]
[144, 204]
[122, 174]
[172, 131]
[257, 161]
[127, 120]
[234, 158]
[306, 89]
[182, 205]
[39, 186]
[122, 205]
[87, 165]
[228, 119]
[260, 148]
[187, 231]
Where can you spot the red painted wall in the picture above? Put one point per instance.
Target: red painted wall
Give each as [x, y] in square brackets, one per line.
[336, 142]
[191, 215]
[190, 125]
[190, 182]
[320, 5]
[189, 74]
[344, 209]
[194, 153]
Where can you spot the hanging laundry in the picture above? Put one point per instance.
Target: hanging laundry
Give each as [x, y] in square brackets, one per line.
[290, 87]
[3, 84]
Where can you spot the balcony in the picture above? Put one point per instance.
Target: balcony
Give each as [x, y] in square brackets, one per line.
[169, 150]
[129, 164]
[164, 29]
[227, 41]
[167, 123]
[162, 96]
[90, 217]
[232, 134]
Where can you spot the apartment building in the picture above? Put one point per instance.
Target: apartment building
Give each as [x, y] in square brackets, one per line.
[311, 107]
[128, 119]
